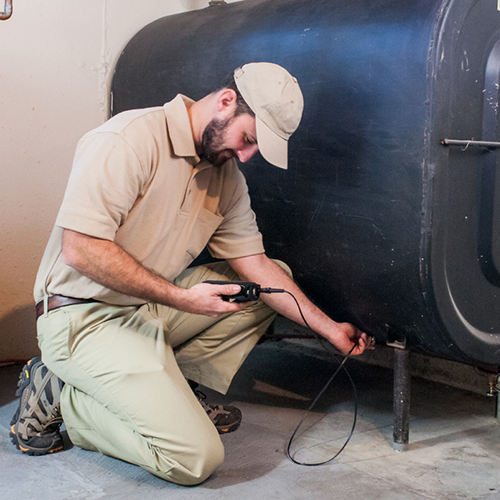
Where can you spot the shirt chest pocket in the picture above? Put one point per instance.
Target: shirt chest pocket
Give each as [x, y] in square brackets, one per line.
[202, 230]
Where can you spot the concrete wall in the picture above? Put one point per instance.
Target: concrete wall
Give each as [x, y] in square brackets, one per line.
[56, 58]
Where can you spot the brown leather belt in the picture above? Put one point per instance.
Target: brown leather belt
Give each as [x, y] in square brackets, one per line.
[57, 301]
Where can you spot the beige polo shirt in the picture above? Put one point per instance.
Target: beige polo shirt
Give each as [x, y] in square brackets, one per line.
[137, 180]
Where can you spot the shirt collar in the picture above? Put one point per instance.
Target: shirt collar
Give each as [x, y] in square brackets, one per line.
[179, 127]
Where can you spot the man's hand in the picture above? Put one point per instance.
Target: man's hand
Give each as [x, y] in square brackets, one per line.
[348, 336]
[206, 299]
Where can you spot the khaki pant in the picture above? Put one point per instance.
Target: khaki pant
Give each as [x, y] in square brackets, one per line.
[126, 393]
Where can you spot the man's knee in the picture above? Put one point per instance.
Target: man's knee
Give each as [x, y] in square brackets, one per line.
[197, 467]
[285, 267]
[210, 459]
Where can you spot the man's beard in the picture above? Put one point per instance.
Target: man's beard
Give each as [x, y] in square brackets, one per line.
[212, 140]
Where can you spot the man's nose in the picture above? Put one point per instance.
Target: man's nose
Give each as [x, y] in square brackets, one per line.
[246, 153]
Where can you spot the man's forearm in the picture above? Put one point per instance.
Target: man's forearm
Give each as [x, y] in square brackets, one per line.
[269, 275]
[109, 265]
[260, 269]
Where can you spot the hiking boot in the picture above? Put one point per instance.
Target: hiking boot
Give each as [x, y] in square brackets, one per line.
[36, 423]
[225, 418]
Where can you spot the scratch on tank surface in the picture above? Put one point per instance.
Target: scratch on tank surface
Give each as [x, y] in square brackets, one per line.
[316, 212]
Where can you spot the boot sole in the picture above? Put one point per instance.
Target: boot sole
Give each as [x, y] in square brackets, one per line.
[31, 450]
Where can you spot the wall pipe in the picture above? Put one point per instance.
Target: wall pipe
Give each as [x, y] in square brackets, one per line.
[7, 10]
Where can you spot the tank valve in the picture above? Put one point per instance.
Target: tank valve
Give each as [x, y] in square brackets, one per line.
[493, 382]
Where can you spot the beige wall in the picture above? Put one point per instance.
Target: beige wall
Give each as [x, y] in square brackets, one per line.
[56, 58]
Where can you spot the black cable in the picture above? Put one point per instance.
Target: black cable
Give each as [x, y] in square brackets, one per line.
[341, 366]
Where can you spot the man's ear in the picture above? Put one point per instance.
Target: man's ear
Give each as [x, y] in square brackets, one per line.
[226, 100]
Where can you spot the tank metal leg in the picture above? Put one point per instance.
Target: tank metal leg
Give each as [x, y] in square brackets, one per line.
[402, 379]
[497, 408]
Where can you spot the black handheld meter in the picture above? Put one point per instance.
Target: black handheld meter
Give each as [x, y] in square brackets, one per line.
[249, 291]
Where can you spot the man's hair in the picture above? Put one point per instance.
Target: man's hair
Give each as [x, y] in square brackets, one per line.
[241, 105]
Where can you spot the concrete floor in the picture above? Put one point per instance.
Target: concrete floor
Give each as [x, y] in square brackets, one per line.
[454, 452]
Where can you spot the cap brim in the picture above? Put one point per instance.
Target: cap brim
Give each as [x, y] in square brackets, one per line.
[271, 146]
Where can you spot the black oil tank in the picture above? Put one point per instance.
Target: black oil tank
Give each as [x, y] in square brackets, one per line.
[383, 225]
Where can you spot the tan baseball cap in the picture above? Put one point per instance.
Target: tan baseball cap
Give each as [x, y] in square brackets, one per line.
[275, 97]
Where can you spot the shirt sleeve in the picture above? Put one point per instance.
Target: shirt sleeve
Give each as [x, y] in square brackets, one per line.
[106, 180]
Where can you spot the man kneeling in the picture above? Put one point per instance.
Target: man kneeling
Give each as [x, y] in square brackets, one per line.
[122, 320]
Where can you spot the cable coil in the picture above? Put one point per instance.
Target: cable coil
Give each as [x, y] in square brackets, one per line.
[355, 394]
